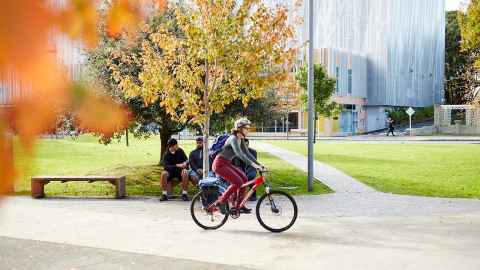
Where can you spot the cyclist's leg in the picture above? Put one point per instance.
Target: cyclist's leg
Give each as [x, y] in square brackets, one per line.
[241, 175]
[224, 169]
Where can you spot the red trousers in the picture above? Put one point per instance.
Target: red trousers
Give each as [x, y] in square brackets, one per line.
[226, 170]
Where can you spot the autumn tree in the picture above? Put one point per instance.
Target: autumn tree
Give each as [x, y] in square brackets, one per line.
[120, 56]
[470, 29]
[460, 72]
[229, 50]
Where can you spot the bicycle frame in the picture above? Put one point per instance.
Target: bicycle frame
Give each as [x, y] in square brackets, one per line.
[256, 182]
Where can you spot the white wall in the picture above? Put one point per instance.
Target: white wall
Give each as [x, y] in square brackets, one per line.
[376, 118]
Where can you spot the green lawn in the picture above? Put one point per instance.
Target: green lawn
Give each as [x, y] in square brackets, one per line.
[443, 170]
[85, 156]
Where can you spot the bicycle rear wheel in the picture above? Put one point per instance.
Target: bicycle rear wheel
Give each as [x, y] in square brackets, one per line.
[277, 211]
[208, 219]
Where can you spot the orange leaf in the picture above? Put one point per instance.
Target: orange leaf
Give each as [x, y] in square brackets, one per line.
[122, 15]
[79, 20]
[101, 115]
[6, 159]
[24, 26]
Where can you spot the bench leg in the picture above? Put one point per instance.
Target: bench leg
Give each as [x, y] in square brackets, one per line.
[38, 189]
[120, 188]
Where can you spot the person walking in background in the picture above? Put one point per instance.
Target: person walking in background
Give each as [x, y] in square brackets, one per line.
[175, 164]
[195, 160]
[391, 127]
[250, 171]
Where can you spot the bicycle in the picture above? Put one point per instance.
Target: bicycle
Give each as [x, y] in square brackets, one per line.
[276, 210]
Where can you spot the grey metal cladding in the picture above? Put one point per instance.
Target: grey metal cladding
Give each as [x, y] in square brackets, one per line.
[403, 40]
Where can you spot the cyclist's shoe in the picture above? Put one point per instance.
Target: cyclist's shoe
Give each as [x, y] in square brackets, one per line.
[245, 210]
[163, 198]
[223, 208]
[185, 197]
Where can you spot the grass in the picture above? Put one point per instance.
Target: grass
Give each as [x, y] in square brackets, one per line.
[440, 170]
[139, 162]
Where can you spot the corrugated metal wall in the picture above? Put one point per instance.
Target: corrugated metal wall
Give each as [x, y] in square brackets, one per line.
[403, 40]
[339, 64]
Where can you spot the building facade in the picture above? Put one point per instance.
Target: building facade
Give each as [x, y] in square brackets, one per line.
[384, 53]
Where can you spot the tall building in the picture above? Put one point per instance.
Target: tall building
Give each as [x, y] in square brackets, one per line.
[383, 53]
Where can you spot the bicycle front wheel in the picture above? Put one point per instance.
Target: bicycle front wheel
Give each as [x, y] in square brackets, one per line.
[277, 211]
[208, 219]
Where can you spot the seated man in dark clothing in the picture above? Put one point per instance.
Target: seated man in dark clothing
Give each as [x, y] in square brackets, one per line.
[250, 172]
[195, 160]
[175, 166]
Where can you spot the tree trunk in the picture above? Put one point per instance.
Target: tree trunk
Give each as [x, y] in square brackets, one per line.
[164, 136]
[287, 124]
[315, 129]
[126, 137]
[206, 125]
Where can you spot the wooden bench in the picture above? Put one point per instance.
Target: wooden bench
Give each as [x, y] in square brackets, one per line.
[39, 182]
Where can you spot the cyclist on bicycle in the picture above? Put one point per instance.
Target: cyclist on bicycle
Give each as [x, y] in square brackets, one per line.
[235, 146]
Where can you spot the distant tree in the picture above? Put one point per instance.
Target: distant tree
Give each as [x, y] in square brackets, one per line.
[288, 98]
[259, 111]
[470, 30]
[323, 89]
[120, 56]
[460, 72]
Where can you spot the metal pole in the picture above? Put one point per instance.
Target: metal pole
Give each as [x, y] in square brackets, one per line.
[410, 125]
[310, 96]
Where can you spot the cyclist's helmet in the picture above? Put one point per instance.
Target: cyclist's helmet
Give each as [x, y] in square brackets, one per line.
[242, 122]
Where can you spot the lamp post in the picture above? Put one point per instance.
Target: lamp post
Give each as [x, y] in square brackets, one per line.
[310, 96]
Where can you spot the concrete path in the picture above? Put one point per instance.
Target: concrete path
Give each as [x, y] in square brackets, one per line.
[23, 254]
[333, 178]
[336, 231]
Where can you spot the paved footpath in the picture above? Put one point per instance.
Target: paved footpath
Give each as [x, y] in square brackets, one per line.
[333, 178]
[344, 231]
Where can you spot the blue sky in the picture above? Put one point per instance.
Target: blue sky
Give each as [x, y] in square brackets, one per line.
[454, 4]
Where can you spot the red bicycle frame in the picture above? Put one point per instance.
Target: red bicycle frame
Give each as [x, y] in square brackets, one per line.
[256, 182]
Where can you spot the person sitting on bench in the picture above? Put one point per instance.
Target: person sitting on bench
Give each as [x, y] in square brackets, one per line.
[175, 164]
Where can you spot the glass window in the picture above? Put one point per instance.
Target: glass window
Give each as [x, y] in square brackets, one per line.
[337, 75]
[349, 81]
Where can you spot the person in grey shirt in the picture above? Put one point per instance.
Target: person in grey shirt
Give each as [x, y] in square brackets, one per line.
[195, 159]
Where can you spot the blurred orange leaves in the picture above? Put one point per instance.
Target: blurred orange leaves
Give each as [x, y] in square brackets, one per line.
[79, 20]
[122, 15]
[28, 48]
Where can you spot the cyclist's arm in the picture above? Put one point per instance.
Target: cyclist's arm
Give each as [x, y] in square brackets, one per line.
[248, 154]
[239, 152]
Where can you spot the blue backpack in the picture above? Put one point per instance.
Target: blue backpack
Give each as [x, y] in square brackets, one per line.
[217, 145]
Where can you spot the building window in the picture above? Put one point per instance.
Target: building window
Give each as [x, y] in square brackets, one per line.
[337, 75]
[349, 81]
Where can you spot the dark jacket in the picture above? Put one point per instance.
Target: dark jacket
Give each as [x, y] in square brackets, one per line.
[170, 160]
[241, 164]
[196, 159]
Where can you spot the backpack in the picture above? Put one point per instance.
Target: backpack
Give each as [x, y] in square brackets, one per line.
[217, 145]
